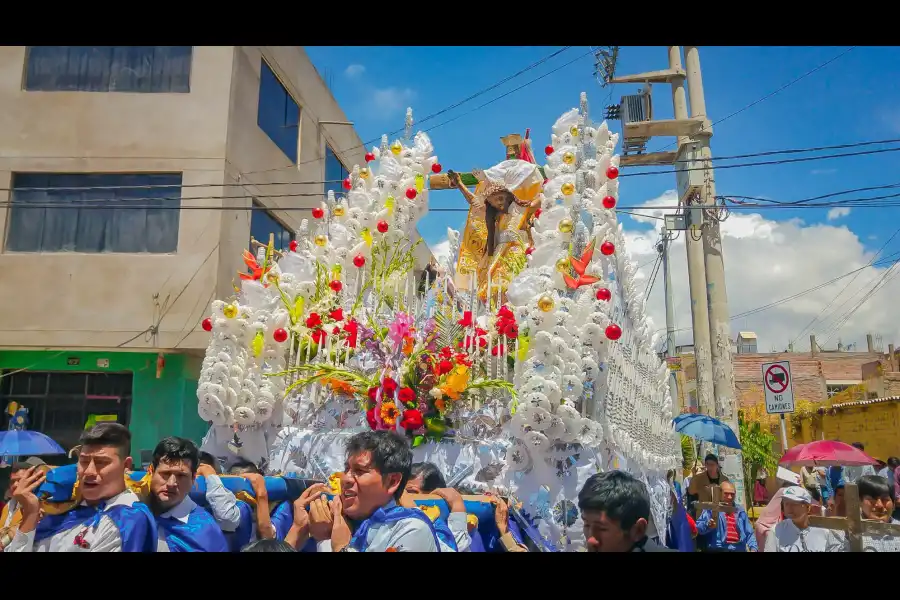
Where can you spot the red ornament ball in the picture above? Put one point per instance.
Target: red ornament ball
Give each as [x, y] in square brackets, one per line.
[206, 324]
[359, 261]
[293, 246]
[318, 213]
[411, 193]
[369, 157]
[347, 184]
[607, 248]
[436, 168]
[609, 202]
[604, 294]
[548, 150]
[612, 172]
[336, 286]
[613, 332]
[280, 335]
[382, 226]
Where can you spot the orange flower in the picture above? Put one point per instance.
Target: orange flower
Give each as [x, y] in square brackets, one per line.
[408, 345]
[341, 387]
[391, 549]
[440, 405]
[389, 413]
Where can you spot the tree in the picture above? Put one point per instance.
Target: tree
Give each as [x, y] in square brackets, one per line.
[757, 444]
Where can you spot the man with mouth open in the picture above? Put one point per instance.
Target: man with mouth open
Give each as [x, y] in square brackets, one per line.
[375, 475]
[108, 518]
[183, 526]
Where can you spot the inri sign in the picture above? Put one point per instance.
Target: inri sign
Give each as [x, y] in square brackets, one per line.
[779, 387]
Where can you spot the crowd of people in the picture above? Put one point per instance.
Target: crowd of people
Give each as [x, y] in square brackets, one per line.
[374, 510]
[783, 524]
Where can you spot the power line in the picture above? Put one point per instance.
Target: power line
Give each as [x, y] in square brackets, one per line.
[433, 115]
[778, 91]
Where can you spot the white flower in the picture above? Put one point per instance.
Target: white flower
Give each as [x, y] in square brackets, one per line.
[436, 393]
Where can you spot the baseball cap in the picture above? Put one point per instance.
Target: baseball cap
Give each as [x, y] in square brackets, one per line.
[797, 494]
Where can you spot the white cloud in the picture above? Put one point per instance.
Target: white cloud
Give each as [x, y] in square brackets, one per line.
[441, 250]
[653, 213]
[389, 101]
[837, 212]
[354, 71]
[766, 261]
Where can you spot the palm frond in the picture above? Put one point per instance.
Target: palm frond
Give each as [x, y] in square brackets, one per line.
[324, 371]
[493, 384]
[448, 331]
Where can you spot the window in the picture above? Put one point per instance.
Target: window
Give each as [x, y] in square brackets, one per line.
[145, 69]
[335, 172]
[833, 389]
[123, 212]
[262, 223]
[278, 114]
[59, 403]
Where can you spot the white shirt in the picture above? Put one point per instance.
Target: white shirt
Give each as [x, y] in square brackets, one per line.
[787, 537]
[222, 504]
[405, 535]
[459, 527]
[105, 538]
[180, 512]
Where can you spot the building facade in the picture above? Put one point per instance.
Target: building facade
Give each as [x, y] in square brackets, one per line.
[131, 179]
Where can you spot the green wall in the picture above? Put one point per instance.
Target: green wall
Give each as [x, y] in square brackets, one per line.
[159, 407]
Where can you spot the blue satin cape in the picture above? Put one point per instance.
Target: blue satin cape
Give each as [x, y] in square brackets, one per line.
[391, 514]
[201, 533]
[136, 525]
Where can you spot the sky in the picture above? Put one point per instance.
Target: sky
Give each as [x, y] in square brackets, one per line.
[769, 254]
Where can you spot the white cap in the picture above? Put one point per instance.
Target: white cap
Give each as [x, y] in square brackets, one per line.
[797, 494]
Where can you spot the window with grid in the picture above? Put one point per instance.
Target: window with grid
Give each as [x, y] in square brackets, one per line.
[136, 69]
[120, 213]
[278, 114]
[335, 172]
[263, 223]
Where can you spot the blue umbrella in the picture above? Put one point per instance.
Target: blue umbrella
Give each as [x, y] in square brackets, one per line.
[707, 429]
[27, 443]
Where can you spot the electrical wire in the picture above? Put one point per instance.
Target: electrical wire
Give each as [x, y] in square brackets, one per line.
[440, 112]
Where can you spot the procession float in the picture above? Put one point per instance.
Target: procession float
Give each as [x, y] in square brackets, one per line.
[521, 365]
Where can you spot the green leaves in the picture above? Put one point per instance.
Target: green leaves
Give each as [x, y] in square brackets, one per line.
[757, 449]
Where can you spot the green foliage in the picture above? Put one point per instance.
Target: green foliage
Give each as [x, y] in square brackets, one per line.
[688, 452]
[757, 444]
[448, 330]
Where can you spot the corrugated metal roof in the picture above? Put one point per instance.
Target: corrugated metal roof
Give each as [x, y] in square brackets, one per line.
[867, 402]
[747, 335]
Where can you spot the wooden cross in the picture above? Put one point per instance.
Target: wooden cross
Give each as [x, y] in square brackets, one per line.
[716, 506]
[853, 524]
[513, 144]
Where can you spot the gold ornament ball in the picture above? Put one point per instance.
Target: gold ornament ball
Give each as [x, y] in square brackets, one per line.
[546, 303]
[562, 265]
[230, 311]
[364, 173]
[339, 210]
[321, 240]
[568, 158]
[396, 148]
[567, 189]
[565, 226]
[574, 130]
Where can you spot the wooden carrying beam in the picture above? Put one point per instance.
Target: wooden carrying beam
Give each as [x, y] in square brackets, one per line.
[663, 76]
[646, 160]
[716, 506]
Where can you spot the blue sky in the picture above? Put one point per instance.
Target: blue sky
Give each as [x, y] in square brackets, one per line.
[855, 98]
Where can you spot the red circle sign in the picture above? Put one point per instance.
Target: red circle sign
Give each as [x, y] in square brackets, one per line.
[773, 382]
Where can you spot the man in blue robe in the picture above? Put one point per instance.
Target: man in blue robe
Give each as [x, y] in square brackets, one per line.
[106, 518]
[183, 526]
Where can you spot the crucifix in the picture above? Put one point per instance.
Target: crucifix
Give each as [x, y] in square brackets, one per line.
[716, 506]
[853, 524]
[515, 145]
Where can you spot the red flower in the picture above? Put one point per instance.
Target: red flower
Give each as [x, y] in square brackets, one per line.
[337, 314]
[505, 313]
[351, 327]
[370, 418]
[466, 321]
[406, 395]
[482, 342]
[389, 385]
[512, 331]
[444, 367]
[319, 336]
[336, 330]
[480, 332]
[372, 392]
[529, 250]
[498, 350]
[412, 419]
[446, 352]
[313, 320]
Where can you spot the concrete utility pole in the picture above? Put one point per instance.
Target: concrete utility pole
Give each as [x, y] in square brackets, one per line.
[670, 310]
[719, 322]
[696, 269]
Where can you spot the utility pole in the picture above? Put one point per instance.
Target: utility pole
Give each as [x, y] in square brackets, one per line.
[717, 296]
[670, 310]
[696, 267]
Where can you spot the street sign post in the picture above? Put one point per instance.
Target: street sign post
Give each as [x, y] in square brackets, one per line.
[779, 388]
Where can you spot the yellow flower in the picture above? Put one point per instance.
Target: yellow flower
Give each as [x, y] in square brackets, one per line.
[334, 482]
[389, 413]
